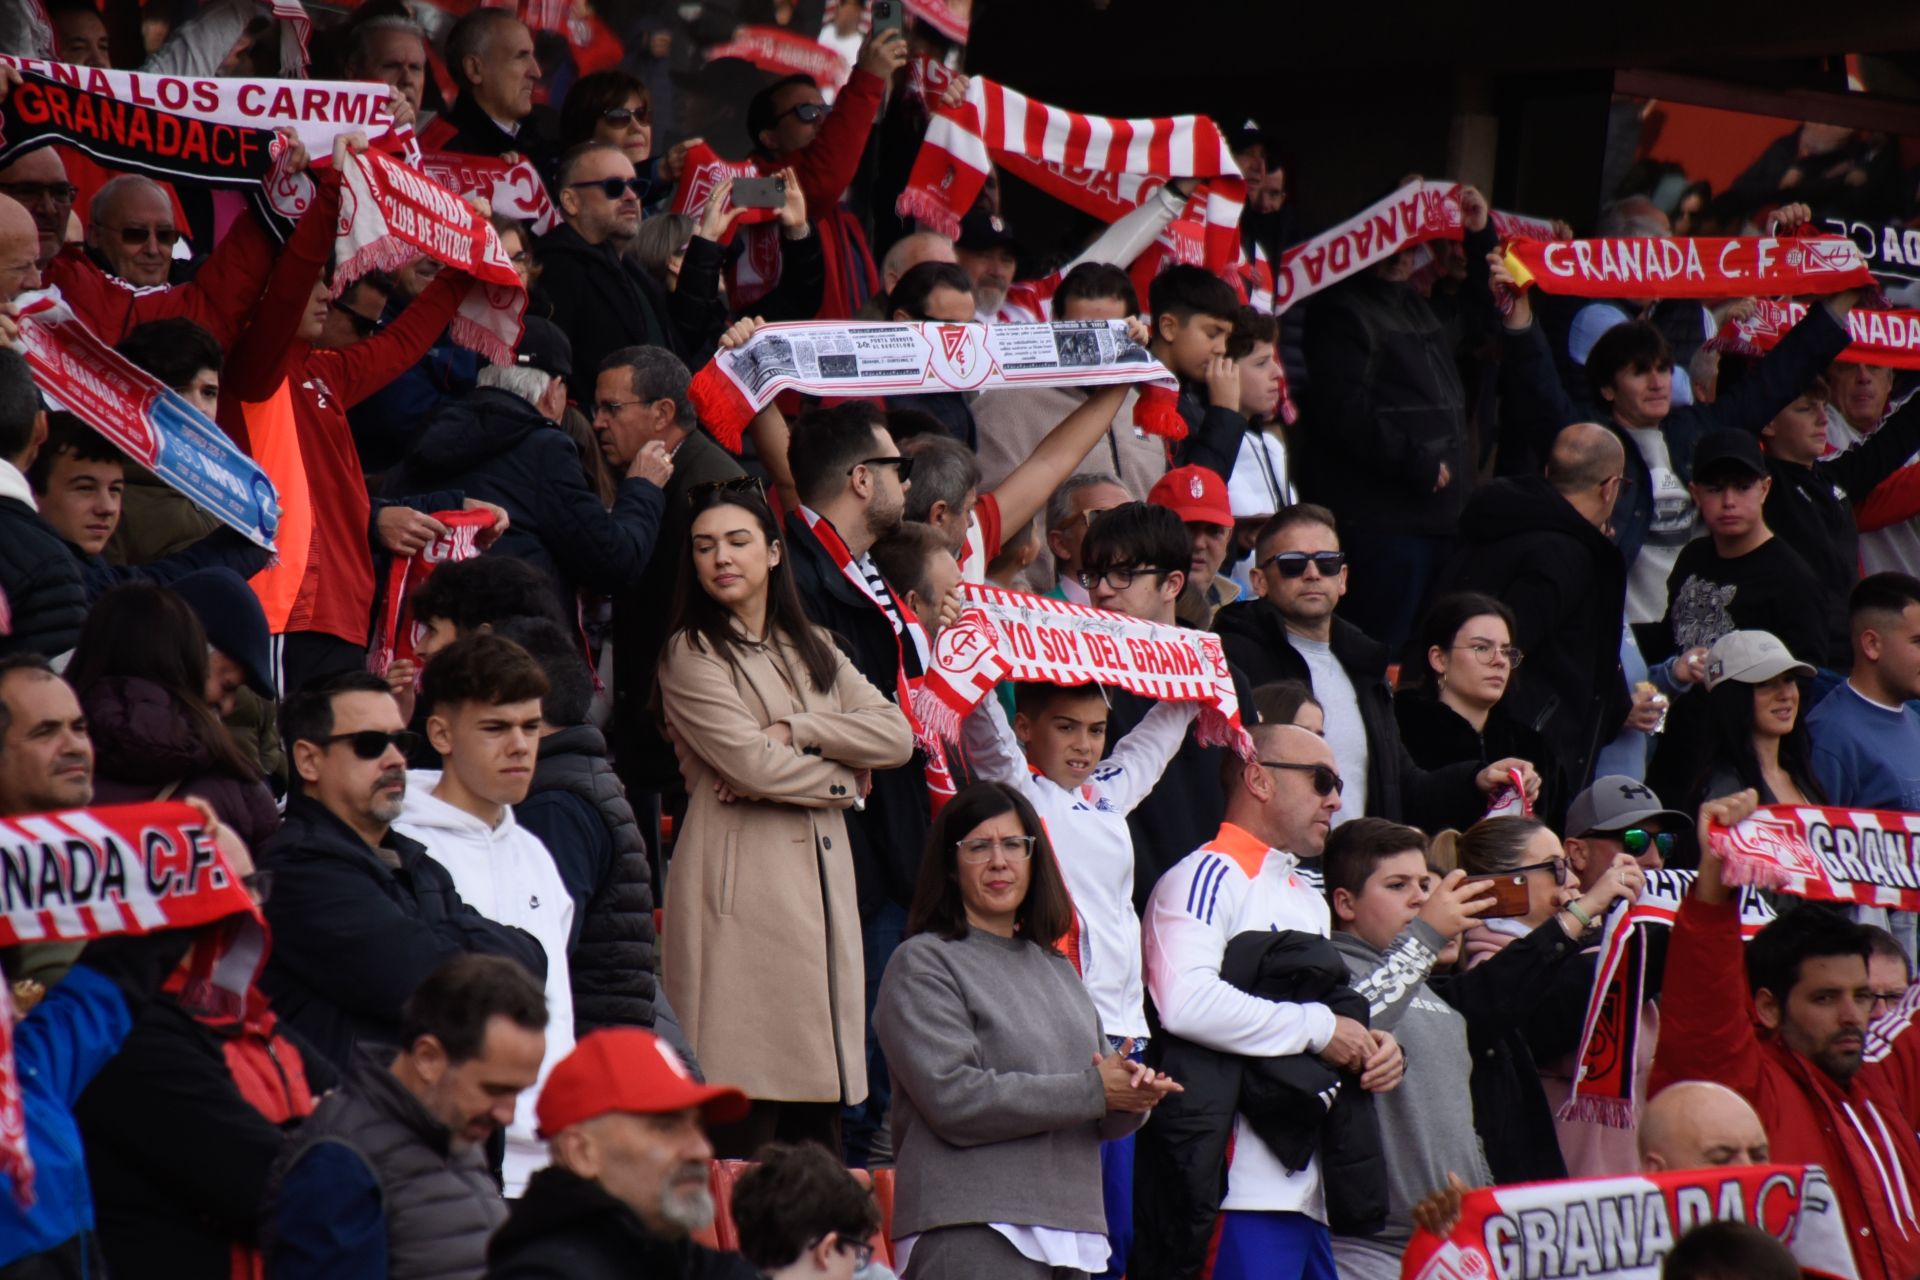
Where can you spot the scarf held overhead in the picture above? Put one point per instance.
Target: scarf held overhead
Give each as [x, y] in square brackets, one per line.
[1622, 1228]
[393, 640]
[824, 358]
[998, 125]
[1711, 267]
[1890, 338]
[1826, 854]
[1013, 635]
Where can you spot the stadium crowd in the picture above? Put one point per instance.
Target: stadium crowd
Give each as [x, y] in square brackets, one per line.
[629, 856]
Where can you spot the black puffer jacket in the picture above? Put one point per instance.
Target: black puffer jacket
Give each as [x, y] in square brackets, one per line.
[566, 1228]
[604, 302]
[40, 580]
[1180, 1160]
[579, 809]
[492, 444]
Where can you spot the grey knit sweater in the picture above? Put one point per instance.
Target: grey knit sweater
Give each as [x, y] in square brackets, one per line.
[998, 1110]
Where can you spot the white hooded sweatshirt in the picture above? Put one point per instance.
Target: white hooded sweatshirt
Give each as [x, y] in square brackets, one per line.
[508, 876]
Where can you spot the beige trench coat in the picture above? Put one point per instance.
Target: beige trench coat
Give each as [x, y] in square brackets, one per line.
[762, 958]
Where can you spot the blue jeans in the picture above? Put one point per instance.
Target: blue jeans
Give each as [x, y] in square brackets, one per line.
[880, 936]
[1272, 1246]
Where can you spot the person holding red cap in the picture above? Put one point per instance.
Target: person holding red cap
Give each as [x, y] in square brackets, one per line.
[1199, 497]
[626, 1125]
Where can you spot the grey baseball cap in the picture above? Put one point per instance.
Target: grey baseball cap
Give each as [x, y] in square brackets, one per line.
[1751, 657]
[1616, 802]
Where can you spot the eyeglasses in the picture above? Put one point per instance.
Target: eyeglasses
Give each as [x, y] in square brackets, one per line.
[1293, 564]
[1118, 579]
[1556, 865]
[627, 115]
[612, 188]
[1636, 839]
[611, 407]
[365, 326]
[862, 1252]
[1487, 651]
[699, 493]
[33, 192]
[905, 465]
[804, 112]
[520, 259]
[1325, 781]
[371, 744]
[1885, 1000]
[1012, 848]
[134, 237]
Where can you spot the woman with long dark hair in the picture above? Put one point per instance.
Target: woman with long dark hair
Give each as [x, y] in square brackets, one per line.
[140, 670]
[1759, 736]
[777, 736]
[1004, 1087]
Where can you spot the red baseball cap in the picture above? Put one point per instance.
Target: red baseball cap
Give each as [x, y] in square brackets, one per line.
[627, 1069]
[1196, 494]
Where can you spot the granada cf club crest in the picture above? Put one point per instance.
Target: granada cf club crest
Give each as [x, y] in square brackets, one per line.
[958, 357]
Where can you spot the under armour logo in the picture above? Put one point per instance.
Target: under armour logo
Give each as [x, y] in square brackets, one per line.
[1635, 791]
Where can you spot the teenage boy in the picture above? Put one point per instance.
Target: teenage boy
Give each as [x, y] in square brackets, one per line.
[1052, 754]
[1811, 499]
[1193, 316]
[481, 696]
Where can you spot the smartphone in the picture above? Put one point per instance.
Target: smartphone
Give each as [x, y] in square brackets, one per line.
[759, 193]
[1510, 895]
[889, 15]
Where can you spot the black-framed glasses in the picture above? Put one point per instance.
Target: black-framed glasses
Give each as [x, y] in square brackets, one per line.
[1293, 564]
[32, 192]
[1119, 579]
[905, 464]
[699, 493]
[1885, 1000]
[611, 407]
[1325, 781]
[982, 848]
[1487, 651]
[371, 744]
[612, 188]
[627, 115]
[1636, 841]
[134, 237]
[804, 112]
[365, 326]
[1556, 865]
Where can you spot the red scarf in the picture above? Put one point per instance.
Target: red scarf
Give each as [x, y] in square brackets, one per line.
[997, 125]
[515, 191]
[1825, 854]
[1709, 267]
[1890, 338]
[785, 53]
[951, 18]
[393, 639]
[907, 631]
[1411, 215]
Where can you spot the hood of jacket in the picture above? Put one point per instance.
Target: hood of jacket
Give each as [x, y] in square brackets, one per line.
[140, 734]
[1516, 506]
[426, 812]
[473, 430]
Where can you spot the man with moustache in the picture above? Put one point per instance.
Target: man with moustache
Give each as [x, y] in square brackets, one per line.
[360, 914]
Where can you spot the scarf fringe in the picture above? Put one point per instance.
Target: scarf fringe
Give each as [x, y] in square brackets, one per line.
[938, 719]
[928, 212]
[386, 253]
[1614, 1113]
[1157, 412]
[1737, 868]
[476, 337]
[720, 407]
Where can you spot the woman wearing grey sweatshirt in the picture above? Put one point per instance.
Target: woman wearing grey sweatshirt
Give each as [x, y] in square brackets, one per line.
[1003, 1088]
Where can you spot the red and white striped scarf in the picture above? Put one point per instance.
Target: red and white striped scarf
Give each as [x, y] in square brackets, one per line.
[1890, 338]
[1047, 144]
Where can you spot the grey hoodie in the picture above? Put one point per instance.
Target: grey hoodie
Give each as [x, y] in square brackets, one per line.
[1429, 1132]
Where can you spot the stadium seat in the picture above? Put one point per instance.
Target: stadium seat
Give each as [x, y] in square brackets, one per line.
[724, 1175]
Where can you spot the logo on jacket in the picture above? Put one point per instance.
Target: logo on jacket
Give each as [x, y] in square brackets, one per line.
[533, 903]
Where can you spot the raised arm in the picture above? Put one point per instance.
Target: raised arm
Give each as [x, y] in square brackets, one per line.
[1026, 490]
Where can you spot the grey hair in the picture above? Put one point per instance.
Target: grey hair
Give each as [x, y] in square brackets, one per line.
[1633, 216]
[659, 239]
[657, 374]
[943, 471]
[469, 37]
[1060, 505]
[363, 34]
[113, 187]
[529, 384]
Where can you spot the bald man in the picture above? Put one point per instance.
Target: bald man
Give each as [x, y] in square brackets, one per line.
[19, 250]
[39, 181]
[909, 251]
[1695, 1124]
[130, 228]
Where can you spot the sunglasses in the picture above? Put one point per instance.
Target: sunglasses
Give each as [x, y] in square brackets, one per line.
[626, 115]
[612, 188]
[134, 237]
[905, 465]
[701, 493]
[804, 112]
[1635, 841]
[365, 326]
[1293, 564]
[1325, 781]
[1556, 865]
[371, 744]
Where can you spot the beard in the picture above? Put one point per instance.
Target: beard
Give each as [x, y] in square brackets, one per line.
[383, 808]
[687, 1203]
[988, 294]
[884, 516]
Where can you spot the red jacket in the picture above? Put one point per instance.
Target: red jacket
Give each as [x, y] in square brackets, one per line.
[336, 589]
[222, 296]
[1859, 1134]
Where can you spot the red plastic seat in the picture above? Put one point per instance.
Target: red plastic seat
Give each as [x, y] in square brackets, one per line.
[883, 1195]
[724, 1175]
